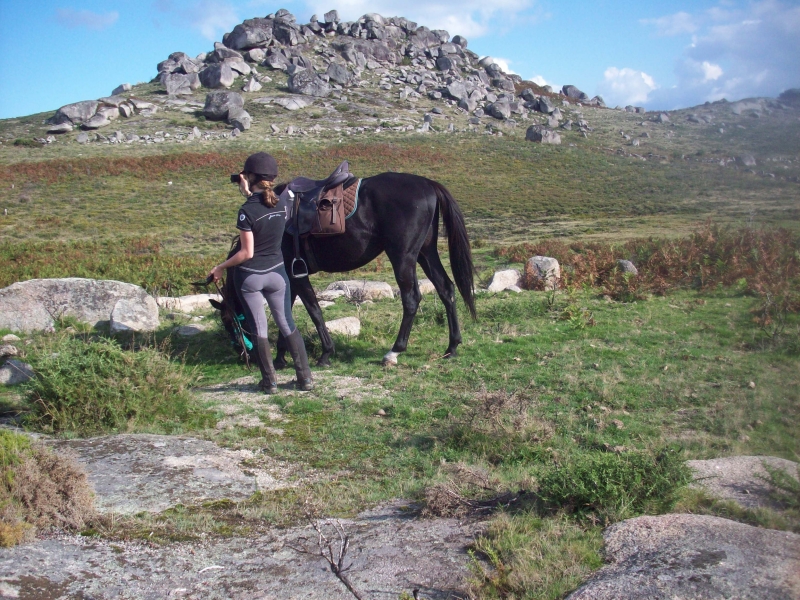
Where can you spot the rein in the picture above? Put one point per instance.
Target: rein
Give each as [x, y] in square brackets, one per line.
[228, 308]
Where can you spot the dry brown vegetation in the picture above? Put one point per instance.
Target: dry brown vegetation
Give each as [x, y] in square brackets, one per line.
[39, 490]
[762, 262]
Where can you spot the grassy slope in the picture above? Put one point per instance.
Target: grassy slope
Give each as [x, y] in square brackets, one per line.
[668, 370]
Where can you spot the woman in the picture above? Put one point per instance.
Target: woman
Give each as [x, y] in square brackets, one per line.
[260, 274]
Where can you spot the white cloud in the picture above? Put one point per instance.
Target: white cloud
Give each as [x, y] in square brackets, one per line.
[86, 18]
[737, 53]
[539, 80]
[469, 18]
[503, 63]
[671, 25]
[711, 71]
[626, 86]
[212, 18]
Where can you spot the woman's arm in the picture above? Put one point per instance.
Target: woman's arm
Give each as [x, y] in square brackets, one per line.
[244, 253]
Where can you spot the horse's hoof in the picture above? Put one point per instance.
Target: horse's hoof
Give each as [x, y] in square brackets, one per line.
[279, 363]
[324, 362]
[390, 359]
[451, 354]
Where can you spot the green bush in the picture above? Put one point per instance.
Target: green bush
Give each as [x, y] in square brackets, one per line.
[27, 143]
[615, 486]
[94, 385]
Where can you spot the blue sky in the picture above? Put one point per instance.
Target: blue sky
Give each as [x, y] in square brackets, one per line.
[660, 55]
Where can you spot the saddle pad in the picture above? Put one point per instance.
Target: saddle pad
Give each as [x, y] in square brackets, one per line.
[350, 198]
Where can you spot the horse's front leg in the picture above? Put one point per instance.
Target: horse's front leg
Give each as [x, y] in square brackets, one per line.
[410, 297]
[306, 292]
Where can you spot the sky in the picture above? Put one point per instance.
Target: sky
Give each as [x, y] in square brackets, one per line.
[660, 55]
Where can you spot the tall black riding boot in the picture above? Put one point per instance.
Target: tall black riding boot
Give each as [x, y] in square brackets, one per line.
[269, 380]
[298, 351]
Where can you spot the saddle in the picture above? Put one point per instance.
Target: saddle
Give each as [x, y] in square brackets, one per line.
[319, 208]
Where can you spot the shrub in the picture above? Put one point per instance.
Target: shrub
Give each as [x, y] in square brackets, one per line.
[27, 143]
[615, 486]
[39, 489]
[762, 262]
[90, 386]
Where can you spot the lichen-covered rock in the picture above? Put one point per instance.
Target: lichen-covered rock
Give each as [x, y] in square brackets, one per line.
[541, 134]
[363, 290]
[217, 75]
[308, 83]
[349, 326]
[252, 33]
[544, 269]
[240, 119]
[33, 305]
[694, 556]
[627, 266]
[75, 113]
[219, 104]
[570, 91]
[14, 372]
[503, 280]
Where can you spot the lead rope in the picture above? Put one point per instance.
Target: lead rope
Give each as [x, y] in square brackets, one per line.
[237, 327]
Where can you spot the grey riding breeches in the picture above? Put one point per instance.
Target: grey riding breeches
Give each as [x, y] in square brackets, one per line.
[254, 289]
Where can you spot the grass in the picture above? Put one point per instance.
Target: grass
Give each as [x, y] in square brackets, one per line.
[90, 384]
[568, 401]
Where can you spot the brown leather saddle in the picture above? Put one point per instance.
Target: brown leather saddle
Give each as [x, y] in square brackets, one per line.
[319, 208]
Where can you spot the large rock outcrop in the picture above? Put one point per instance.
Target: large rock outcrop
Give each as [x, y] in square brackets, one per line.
[35, 305]
[694, 556]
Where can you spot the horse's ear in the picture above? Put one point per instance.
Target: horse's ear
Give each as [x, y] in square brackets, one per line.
[216, 304]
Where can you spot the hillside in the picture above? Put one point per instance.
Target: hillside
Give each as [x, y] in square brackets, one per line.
[388, 95]
[631, 428]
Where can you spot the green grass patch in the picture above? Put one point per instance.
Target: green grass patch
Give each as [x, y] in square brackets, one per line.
[526, 557]
[612, 487]
[92, 385]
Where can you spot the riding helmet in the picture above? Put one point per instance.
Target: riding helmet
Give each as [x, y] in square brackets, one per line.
[262, 164]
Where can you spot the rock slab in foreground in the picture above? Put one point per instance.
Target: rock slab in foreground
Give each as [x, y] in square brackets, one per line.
[742, 479]
[390, 552]
[138, 472]
[35, 304]
[695, 556]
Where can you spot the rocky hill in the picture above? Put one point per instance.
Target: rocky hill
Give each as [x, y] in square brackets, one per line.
[374, 61]
[328, 78]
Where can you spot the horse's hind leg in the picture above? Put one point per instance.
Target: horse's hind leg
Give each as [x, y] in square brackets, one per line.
[406, 276]
[305, 290]
[432, 266]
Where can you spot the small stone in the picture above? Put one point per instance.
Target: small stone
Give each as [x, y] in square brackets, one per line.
[15, 372]
[381, 412]
[10, 337]
[752, 385]
[8, 350]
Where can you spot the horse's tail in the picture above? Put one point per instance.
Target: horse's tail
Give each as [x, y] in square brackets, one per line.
[458, 244]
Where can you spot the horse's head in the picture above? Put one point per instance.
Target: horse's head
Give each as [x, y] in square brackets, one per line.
[230, 308]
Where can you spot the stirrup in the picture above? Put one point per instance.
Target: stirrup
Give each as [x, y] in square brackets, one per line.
[302, 273]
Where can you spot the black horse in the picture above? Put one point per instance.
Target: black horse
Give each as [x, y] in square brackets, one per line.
[397, 213]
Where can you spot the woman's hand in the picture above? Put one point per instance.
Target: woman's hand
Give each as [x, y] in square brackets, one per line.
[244, 186]
[216, 273]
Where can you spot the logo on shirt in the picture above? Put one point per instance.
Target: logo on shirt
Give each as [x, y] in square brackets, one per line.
[241, 217]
